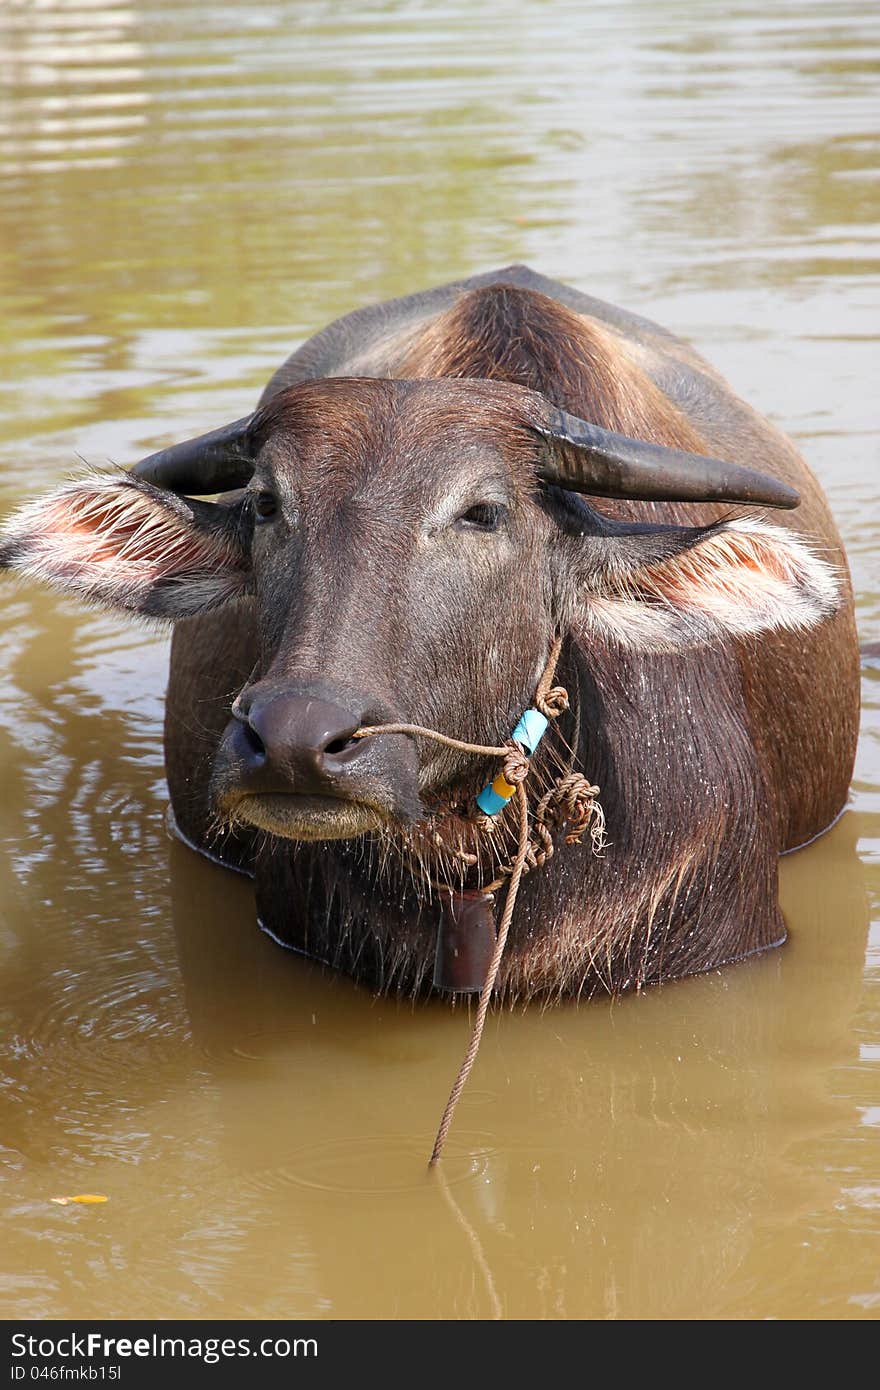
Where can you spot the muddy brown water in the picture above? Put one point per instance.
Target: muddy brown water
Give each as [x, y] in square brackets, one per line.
[186, 191]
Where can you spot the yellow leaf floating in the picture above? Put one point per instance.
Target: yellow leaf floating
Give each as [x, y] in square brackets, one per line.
[85, 1198]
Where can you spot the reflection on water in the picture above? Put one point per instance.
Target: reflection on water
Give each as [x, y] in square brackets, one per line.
[185, 191]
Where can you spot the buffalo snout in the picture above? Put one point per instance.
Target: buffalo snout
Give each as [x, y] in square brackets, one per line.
[296, 739]
[289, 762]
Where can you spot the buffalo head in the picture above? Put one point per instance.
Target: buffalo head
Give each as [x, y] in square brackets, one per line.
[409, 550]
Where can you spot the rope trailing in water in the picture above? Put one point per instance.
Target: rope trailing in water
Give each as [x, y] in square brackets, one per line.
[571, 800]
[464, 1070]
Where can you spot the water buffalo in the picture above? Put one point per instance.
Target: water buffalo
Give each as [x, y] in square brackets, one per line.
[403, 530]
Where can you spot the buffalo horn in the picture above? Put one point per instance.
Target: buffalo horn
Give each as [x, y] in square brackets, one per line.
[613, 465]
[215, 462]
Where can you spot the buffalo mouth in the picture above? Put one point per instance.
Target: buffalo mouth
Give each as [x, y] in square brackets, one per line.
[306, 816]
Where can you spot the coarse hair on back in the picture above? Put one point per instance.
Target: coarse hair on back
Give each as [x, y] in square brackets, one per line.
[506, 333]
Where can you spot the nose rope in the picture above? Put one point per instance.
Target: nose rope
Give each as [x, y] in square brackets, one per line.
[571, 800]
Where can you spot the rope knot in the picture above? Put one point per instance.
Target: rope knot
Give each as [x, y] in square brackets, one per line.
[553, 702]
[577, 807]
[516, 765]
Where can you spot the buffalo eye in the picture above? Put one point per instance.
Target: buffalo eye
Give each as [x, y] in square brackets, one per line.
[265, 505]
[484, 516]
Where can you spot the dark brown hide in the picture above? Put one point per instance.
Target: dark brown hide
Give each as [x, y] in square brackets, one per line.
[711, 760]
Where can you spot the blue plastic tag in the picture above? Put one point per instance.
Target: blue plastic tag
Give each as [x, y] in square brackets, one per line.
[530, 730]
[528, 734]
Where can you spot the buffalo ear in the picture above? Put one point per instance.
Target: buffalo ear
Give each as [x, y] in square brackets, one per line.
[116, 541]
[661, 588]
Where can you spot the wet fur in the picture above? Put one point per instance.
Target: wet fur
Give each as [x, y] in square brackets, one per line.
[710, 760]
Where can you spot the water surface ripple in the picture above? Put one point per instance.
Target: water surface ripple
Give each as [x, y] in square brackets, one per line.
[186, 191]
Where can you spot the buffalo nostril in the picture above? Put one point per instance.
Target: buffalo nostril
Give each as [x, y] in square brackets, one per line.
[252, 745]
[339, 745]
